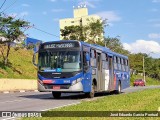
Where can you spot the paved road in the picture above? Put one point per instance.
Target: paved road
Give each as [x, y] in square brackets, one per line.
[40, 101]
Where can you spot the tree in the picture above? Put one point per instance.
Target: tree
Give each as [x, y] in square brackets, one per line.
[72, 33]
[92, 32]
[114, 44]
[11, 30]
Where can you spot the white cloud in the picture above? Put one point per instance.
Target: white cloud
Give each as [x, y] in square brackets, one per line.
[13, 14]
[22, 14]
[25, 5]
[58, 10]
[89, 4]
[144, 46]
[154, 10]
[111, 16]
[155, 1]
[154, 35]
[156, 25]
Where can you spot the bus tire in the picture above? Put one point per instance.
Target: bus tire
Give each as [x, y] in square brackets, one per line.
[119, 88]
[91, 94]
[56, 94]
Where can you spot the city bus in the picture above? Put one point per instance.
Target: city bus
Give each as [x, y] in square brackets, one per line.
[70, 66]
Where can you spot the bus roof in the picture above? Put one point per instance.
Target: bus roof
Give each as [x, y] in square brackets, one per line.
[103, 49]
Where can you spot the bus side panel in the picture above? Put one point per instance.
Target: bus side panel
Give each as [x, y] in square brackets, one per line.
[87, 81]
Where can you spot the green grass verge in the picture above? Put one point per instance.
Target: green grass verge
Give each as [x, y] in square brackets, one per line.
[20, 65]
[149, 81]
[147, 100]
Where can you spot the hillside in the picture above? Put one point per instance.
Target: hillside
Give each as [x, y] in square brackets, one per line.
[20, 65]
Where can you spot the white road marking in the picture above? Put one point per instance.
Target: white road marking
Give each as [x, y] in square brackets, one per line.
[13, 101]
[62, 106]
[11, 118]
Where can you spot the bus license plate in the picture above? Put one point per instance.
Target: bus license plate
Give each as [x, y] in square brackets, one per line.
[56, 87]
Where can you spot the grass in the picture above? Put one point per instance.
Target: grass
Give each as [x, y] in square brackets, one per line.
[20, 65]
[149, 81]
[147, 100]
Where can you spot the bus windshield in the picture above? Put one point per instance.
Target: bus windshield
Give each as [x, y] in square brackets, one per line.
[66, 61]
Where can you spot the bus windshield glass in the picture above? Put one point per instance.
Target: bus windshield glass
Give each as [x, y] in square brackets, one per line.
[65, 61]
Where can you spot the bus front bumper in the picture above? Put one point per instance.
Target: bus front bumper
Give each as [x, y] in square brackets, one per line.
[78, 87]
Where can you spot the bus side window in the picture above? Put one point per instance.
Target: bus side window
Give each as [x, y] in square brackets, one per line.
[85, 62]
[107, 67]
[119, 64]
[115, 62]
[126, 65]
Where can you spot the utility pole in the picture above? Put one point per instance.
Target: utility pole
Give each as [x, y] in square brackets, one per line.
[144, 77]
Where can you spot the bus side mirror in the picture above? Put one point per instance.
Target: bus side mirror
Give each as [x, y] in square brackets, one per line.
[34, 59]
[87, 57]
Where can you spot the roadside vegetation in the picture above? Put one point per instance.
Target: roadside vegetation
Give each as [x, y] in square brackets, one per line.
[147, 100]
[19, 65]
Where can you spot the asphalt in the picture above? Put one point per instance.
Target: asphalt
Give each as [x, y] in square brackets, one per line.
[42, 101]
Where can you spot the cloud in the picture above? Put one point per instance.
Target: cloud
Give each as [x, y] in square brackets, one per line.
[13, 15]
[154, 35]
[89, 4]
[144, 46]
[156, 1]
[22, 14]
[154, 10]
[156, 25]
[25, 5]
[111, 16]
[58, 10]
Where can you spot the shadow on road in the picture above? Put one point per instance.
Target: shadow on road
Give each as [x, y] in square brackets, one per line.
[65, 96]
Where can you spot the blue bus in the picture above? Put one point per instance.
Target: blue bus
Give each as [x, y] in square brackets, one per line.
[70, 66]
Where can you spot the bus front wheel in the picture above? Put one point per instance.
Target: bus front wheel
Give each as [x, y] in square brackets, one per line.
[91, 94]
[56, 94]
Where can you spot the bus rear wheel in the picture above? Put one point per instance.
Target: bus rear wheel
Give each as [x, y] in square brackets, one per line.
[119, 88]
[91, 94]
[56, 94]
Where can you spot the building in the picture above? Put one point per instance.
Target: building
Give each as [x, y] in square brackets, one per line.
[80, 17]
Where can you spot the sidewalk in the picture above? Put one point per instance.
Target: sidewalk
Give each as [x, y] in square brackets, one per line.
[17, 85]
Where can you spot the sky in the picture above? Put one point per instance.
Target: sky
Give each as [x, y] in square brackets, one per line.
[135, 22]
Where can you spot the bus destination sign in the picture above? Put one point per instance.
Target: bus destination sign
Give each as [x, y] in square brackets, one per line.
[59, 45]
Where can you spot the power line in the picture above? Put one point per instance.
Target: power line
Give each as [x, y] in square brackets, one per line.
[3, 4]
[9, 6]
[45, 31]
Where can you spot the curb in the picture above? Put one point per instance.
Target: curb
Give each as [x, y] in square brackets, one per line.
[17, 91]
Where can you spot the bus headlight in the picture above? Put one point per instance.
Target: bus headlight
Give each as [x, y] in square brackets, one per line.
[79, 80]
[76, 81]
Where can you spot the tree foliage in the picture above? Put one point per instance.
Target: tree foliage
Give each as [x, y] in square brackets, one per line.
[92, 32]
[11, 30]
